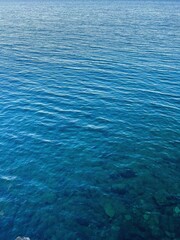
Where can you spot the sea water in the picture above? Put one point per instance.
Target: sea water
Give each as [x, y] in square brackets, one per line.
[89, 120]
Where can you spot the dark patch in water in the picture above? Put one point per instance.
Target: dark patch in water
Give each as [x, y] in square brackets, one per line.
[83, 221]
[128, 173]
[119, 191]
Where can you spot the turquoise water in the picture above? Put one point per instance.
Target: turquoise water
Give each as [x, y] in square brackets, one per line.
[89, 120]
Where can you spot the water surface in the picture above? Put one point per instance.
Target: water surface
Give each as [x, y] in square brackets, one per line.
[89, 120]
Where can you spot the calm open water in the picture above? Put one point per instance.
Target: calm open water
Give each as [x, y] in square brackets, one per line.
[89, 120]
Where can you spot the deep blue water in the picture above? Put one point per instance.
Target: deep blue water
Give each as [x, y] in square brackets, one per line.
[89, 120]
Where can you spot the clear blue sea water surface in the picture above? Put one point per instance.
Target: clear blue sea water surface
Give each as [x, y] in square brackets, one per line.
[89, 120]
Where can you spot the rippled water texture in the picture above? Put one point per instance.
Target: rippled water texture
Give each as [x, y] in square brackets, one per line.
[89, 120]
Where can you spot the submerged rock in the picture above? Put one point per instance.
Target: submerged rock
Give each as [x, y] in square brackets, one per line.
[146, 216]
[127, 217]
[177, 210]
[109, 209]
[163, 199]
[119, 189]
[160, 198]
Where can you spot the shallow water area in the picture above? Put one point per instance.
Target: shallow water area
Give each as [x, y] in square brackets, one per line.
[89, 120]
